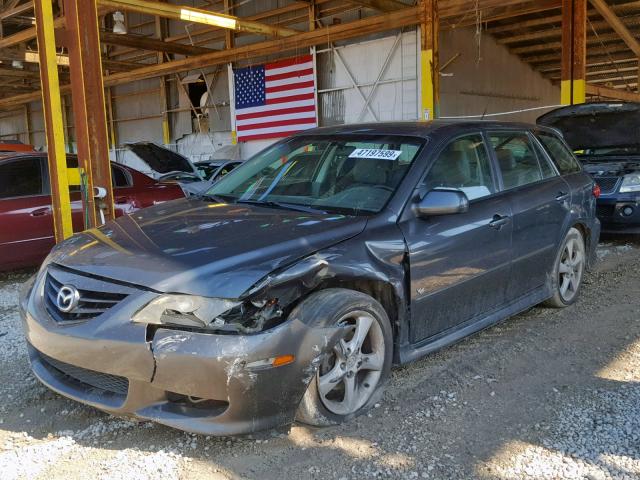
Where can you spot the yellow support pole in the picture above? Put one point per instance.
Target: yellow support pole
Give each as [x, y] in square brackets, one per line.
[429, 64]
[573, 83]
[54, 128]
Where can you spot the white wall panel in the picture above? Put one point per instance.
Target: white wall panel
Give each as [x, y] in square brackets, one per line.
[384, 71]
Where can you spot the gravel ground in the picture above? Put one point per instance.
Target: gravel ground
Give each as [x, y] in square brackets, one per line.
[548, 394]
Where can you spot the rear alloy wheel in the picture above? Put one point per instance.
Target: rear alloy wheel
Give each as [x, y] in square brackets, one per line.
[350, 378]
[569, 270]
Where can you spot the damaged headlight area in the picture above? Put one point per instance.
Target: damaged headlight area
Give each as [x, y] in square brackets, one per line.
[210, 314]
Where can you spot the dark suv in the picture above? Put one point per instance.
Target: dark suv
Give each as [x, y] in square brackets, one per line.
[290, 287]
[606, 138]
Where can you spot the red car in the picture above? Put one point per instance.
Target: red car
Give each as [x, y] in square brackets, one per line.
[26, 223]
[15, 146]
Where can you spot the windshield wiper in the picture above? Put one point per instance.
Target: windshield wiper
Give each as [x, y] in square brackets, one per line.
[216, 198]
[285, 206]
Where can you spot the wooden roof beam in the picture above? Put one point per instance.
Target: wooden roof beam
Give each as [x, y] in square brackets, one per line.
[197, 15]
[16, 10]
[152, 44]
[381, 5]
[620, 28]
[612, 93]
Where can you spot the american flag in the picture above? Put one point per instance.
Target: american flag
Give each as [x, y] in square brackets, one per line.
[275, 100]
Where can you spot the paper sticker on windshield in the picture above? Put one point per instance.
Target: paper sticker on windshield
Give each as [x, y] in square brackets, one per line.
[376, 154]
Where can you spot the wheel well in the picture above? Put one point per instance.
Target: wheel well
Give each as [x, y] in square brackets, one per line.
[586, 234]
[383, 292]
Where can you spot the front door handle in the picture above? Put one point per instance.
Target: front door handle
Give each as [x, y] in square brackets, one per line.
[121, 200]
[40, 212]
[499, 221]
[562, 197]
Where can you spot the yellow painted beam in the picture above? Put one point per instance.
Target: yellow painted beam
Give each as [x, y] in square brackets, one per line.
[54, 128]
[429, 60]
[427, 94]
[197, 15]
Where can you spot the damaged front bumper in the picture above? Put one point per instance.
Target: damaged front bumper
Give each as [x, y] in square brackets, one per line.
[198, 382]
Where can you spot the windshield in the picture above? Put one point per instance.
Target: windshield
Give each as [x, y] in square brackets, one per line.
[346, 174]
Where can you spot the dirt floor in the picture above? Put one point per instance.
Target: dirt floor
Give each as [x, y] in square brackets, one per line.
[547, 394]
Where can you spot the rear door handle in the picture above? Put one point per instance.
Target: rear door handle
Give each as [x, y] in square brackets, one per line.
[39, 212]
[121, 200]
[499, 221]
[562, 197]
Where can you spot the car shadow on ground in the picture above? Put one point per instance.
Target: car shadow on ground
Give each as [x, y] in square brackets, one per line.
[525, 394]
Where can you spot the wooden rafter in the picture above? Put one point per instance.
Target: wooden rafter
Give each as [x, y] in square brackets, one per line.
[197, 15]
[618, 26]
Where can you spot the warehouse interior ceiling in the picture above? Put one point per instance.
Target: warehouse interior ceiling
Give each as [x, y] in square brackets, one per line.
[530, 29]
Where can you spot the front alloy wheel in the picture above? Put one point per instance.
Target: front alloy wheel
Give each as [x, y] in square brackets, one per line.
[348, 377]
[351, 376]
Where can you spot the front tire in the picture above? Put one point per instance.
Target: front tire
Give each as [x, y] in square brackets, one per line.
[351, 377]
[568, 270]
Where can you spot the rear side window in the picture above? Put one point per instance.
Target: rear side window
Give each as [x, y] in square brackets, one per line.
[517, 158]
[119, 177]
[560, 154]
[21, 178]
[463, 165]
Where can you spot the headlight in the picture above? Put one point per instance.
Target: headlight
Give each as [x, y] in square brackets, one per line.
[630, 183]
[216, 314]
[184, 311]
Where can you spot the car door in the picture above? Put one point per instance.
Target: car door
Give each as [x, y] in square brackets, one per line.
[459, 263]
[540, 201]
[26, 233]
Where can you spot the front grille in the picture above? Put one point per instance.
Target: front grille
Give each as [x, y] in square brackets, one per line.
[92, 303]
[607, 184]
[103, 381]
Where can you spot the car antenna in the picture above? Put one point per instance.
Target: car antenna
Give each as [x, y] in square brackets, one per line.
[485, 112]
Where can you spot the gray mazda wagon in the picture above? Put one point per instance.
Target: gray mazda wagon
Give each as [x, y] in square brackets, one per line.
[289, 289]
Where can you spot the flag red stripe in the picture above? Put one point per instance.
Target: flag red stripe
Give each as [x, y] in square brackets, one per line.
[265, 136]
[291, 86]
[291, 61]
[295, 73]
[270, 113]
[292, 98]
[279, 123]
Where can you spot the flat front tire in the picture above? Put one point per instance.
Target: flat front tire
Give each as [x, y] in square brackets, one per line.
[351, 377]
[568, 270]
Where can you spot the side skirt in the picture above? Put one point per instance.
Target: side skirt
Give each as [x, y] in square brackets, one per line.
[409, 353]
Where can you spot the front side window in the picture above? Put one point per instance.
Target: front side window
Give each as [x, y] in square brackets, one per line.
[348, 174]
[561, 155]
[517, 158]
[463, 165]
[21, 178]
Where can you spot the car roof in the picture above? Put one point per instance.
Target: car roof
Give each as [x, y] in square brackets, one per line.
[415, 129]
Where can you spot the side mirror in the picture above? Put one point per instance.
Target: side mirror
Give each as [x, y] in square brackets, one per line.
[442, 202]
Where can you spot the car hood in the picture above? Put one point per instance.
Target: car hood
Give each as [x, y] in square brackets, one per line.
[160, 159]
[597, 125]
[193, 188]
[203, 248]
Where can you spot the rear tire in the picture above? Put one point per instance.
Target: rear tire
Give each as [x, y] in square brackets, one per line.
[351, 377]
[568, 270]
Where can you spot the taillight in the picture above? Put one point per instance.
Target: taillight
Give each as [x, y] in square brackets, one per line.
[596, 190]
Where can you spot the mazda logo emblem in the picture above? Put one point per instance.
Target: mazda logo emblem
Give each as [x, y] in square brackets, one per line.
[68, 298]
